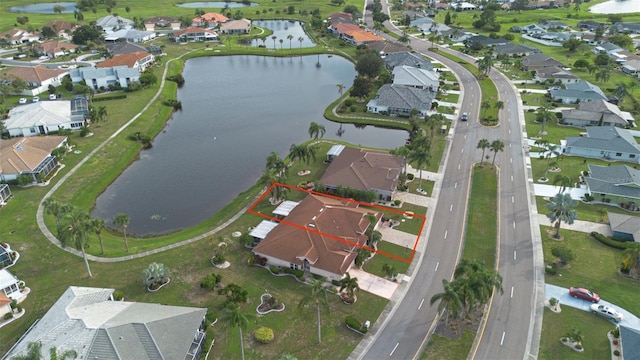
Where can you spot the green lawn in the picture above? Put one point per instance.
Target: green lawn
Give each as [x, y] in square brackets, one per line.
[595, 268]
[375, 264]
[440, 347]
[480, 241]
[585, 211]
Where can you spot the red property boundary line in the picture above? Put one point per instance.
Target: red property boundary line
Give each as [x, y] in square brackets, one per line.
[329, 236]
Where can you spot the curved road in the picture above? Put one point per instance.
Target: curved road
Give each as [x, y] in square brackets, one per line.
[408, 320]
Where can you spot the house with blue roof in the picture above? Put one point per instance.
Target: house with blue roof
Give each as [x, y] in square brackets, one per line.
[400, 100]
[103, 77]
[609, 143]
[618, 184]
[576, 92]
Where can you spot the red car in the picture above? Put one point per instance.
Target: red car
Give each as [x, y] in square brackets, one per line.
[584, 294]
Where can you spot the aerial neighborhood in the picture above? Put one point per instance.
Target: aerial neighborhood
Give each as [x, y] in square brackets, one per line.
[319, 179]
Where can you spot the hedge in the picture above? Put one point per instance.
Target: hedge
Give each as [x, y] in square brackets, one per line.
[610, 242]
[111, 97]
[355, 324]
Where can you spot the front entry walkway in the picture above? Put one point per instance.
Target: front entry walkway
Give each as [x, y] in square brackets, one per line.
[374, 284]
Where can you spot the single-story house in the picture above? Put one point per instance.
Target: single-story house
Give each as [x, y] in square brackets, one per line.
[597, 113]
[140, 60]
[606, 48]
[43, 117]
[415, 77]
[463, 6]
[113, 23]
[626, 28]
[580, 91]
[484, 41]
[544, 4]
[629, 343]
[320, 234]
[364, 170]
[94, 325]
[631, 67]
[352, 33]
[539, 61]
[385, 48]
[551, 25]
[10, 285]
[5, 193]
[62, 28]
[53, 48]
[162, 23]
[240, 26]
[400, 100]
[624, 226]
[618, 184]
[29, 155]
[103, 77]
[340, 15]
[5, 305]
[559, 75]
[514, 50]
[441, 6]
[124, 47]
[194, 34]
[590, 25]
[531, 29]
[19, 36]
[407, 58]
[422, 22]
[209, 20]
[610, 143]
[38, 78]
[130, 35]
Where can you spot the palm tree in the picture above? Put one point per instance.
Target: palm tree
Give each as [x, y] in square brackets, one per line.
[621, 90]
[289, 37]
[565, 181]
[316, 130]
[549, 151]
[75, 231]
[122, 220]
[496, 145]
[603, 75]
[33, 352]
[631, 257]
[274, 41]
[340, 88]
[485, 64]
[543, 116]
[298, 152]
[401, 151]
[67, 354]
[319, 295]
[300, 40]
[350, 285]
[561, 207]
[233, 314]
[434, 121]
[276, 164]
[632, 86]
[499, 105]
[53, 207]
[485, 105]
[449, 300]
[420, 154]
[269, 178]
[602, 212]
[483, 144]
[98, 225]
[389, 271]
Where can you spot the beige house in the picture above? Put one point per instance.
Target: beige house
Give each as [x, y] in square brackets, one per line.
[38, 78]
[162, 23]
[319, 234]
[242, 26]
[53, 49]
[29, 155]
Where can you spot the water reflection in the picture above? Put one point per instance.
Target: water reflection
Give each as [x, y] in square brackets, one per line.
[616, 7]
[44, 8]
[282, 29]
[215, 4]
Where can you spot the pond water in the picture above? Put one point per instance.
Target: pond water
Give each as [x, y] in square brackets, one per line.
[44, 8]
[215, 4]
[281, 30]
[236, 111]
[616, 7]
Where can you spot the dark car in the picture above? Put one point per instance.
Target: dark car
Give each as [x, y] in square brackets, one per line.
[464, 117]
[584, 294]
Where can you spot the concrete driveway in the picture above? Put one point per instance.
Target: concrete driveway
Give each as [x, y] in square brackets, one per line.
[374, 284]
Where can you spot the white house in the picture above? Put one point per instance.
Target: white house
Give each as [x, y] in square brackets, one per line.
[19, 36]
[113, 23]
[10, 285]
[38, 78]
[103, 77]
[43, 117]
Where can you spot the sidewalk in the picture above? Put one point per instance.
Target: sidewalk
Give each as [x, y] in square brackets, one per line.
[579, 225]
[562, 294]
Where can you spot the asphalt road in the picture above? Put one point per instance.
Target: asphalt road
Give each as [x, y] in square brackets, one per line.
[513, 327]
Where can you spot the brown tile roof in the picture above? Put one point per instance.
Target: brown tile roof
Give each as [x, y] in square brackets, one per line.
[35, 74]
[322, 230]
[363, 169]
[240, 24]
[60, 25]
[26, 153]
[52, 46]
[129, 59]
[208, 17]
[340, 15]
[356, 32]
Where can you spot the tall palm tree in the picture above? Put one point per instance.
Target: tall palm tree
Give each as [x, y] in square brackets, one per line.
[549, 151]
[449, 300]
[561, 210]
[340, 88]
[98, 225]
[300, 40]
[269, 178]
[631, 257]
[484, 65]
[319, 295]
[298, 152]
[485, 105]
[483, 144]
[543, 116]
[420, 154]
[33, 352]
[316, 130]
[350, 285]
[122, 220]
[289, 37]
[496, 145]
[233, 314]
[434, 121]
[275, 163]
[499, 105]
[53, 207]
[621, 90]
[602, 212]
[401, 151]
[604, 74]
[76, 232]
[274, 41]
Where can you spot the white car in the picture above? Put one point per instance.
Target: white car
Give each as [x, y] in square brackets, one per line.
[35, 99]
[52, 96]
[607, 312]
[22, 101]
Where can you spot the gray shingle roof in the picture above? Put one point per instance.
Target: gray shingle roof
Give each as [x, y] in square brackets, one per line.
[630, 340]
[404, 97]
[407, 58]
[605, 138]
[411, 76]
[619, 180]
[555, 72]
[625, 223]
[511, 48]
[540, 59]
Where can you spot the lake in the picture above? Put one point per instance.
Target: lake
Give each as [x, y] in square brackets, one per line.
[236, 111]
[616, 7]
[215, 4]
[281, 30]
[44, 8]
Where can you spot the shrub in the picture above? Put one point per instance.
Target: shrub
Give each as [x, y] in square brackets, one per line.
[551, 269]
[8, 316]
[298, 273]
[397, 202]
[210, 281]
[616, 332]
[616, 352]
[274, 269]
[111, 97]
[355, 324]
[564, 254]
[553, 301]
[410, 176]
[264, 335]
[211, 316]
[118, 295]
[609, 242]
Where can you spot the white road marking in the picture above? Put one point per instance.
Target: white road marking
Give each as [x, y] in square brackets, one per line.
[451, 208]
[513, 199]
[501, 340]
[458, 166]
[462, 151]
[465, 136]
[437, 265]
[446, 232]
[514, 255]
[511, 178]
[509, 131]
[512, 291]
[509, 145]
[395, 347]
[421, 302]
[511, 160]
[514, 224]
[455, 186]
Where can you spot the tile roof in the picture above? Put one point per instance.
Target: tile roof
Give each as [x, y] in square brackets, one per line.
[35, 74]
[619, 180]
[52, 46]
[129, 60]
[22, 154]
[363, 169]
[4, 300]
[240, 24]
[212, 16]
[60, 25]
[326, 233]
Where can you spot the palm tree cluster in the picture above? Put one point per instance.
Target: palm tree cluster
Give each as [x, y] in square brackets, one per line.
[74, 225]
[472, 287]
[275, 170]
[495, 146]
[484, 65]
[348, 288]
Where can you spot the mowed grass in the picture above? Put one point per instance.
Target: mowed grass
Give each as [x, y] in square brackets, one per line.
[481, 235]
[375, 264]
[595, 267]
[442, 348]
[593, 328]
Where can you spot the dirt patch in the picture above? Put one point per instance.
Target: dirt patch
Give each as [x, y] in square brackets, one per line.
[454, 329]
[551, 233]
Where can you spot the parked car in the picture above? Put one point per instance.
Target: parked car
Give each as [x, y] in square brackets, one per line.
[607, 312]
[22, 101]
[464, 117]
[584, 294]
[35, 99]
[52, 96]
